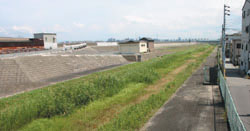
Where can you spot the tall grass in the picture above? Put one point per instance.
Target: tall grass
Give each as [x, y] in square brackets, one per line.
[63, 98]
[133, 117]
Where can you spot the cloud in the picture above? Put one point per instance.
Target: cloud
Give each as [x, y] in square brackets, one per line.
[95, 27]
[116, 18]
[2, 30]
[59, 28]
[24, 29]
[79, 25]
[137, 19]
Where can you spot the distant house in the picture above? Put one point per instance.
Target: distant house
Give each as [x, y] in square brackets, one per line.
[236, 51]
[245, 64]
[133, 47]
[50, 41]
[150, 43]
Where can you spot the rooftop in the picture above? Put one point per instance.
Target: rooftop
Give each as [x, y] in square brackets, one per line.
[9, 39]
[44, 33]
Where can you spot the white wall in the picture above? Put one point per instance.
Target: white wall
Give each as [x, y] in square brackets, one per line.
[143, 47]
[107, 43]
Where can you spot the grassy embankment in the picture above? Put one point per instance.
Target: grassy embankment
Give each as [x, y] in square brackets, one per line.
[100, 92]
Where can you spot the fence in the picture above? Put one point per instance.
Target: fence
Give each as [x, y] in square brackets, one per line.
[232, 114]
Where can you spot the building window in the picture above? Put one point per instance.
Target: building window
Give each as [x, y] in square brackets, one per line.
[248, 12]
[46, 39]
[243, 14]
[246, 47]
[247, 29]
[242, 63]
[54, 40]
[143, 45]
[238, 46]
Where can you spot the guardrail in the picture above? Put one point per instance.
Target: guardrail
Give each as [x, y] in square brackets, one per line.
[233, 117]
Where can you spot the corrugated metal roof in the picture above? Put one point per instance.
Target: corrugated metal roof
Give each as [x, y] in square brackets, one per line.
[9, 39]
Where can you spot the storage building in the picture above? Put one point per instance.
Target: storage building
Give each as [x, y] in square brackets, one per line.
[133, 47]
[50, 41]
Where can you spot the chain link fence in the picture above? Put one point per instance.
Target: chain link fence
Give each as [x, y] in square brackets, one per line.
[232, 114]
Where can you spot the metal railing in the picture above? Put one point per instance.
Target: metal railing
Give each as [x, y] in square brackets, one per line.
[233, 117]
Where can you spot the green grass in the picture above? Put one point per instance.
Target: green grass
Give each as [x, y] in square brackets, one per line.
[65, 98]
[135, 116]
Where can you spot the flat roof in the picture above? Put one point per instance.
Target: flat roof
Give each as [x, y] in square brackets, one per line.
[45, 34]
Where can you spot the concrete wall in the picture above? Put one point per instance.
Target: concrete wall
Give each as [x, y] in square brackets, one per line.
[30, 72]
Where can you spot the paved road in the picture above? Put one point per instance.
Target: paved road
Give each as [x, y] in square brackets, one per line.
[240, 91]
[195, 107]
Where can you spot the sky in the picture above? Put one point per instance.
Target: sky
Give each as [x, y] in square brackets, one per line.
[74, 20]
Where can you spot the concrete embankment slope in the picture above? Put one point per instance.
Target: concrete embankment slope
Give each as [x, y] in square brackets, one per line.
[29, 72]
[195, 107]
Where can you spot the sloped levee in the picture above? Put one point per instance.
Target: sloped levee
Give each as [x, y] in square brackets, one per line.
[30, 72]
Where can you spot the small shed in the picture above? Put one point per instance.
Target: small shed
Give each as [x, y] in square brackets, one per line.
[132, 47]
[150, 43]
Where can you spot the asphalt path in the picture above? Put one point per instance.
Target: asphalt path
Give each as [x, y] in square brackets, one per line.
[195, 107]
[240, 90]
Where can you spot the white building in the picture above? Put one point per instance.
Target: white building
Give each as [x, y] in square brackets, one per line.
[244, 64]
[133, 47]
[49, 39]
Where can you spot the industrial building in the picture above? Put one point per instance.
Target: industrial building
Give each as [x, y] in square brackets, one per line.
[50, 41]
[12, 45]
[133, 47]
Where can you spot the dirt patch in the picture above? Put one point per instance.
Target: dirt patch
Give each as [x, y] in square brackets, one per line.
[156, 88]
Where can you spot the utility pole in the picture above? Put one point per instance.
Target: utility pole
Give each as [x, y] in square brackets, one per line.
[225, 13]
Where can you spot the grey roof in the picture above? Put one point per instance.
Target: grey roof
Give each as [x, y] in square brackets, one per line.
[45, 34]
[147, 39]
[128, 42]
